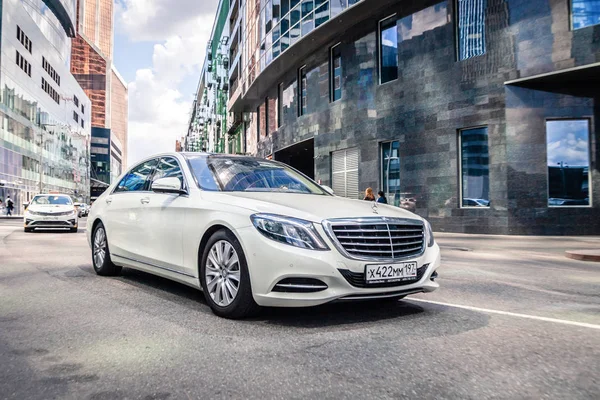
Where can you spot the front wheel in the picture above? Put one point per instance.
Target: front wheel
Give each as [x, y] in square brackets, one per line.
[225, 278]
[101, 255]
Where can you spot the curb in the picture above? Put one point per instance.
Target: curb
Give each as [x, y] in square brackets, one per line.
[583, 255]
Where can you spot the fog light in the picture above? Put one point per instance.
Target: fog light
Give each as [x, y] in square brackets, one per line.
[433, 276]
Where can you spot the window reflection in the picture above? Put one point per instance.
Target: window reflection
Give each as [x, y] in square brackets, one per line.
[568, 162]
[475, 167]
[390, 172]
[388, 50]
[585, 13]
[471, 28]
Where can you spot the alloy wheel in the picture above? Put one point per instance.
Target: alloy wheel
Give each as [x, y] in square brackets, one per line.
[99, 247]
[222, 273]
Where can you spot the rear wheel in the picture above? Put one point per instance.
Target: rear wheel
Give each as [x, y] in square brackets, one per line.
[101, 255]
[225, 278]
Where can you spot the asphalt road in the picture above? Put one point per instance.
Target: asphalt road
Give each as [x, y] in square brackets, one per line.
[67, 333]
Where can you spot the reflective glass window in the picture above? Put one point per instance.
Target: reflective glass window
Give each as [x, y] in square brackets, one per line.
[307, 7]
[585, 13]
[322, 15]
[471, 28]
[294, 34]
[295, 16]
[137, 178]
[388, 50]
[337, 6]
[336, 73]
[168, 167]
[302, 90]
[285, 7]
[568, 155]
[475, 167]
[422, 21]
[308, 24]
[390, 171]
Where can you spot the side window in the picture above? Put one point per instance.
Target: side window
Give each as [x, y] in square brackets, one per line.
[168, 167]
[137, 178]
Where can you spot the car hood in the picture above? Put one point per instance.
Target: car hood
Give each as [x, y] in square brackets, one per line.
[313, 208]
[50, 208]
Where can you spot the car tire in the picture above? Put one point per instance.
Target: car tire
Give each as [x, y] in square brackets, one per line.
[27, 230]
[243, 304]
[101, 260]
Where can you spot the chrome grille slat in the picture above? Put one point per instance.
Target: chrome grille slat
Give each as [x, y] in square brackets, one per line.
[377, 238]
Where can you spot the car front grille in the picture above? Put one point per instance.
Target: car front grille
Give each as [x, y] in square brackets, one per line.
[357, 279]
[377, 238]
[52, 214]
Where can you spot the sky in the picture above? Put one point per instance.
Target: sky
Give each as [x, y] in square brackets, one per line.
[159, 50]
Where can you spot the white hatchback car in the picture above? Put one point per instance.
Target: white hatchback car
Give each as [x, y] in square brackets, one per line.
[251, 232]
[50, 211]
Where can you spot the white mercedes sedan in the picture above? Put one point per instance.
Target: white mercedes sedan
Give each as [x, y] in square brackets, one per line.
[251, 232]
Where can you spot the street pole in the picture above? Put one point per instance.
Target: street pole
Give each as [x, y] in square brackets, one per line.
[41, 166]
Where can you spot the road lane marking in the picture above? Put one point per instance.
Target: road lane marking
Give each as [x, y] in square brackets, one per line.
[511, 314]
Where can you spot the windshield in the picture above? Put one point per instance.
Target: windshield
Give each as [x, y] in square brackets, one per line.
[54, 200]
[249, 174]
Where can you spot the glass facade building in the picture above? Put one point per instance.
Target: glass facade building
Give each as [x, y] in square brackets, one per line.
[44, 124]
[91, 64]
[479, 115]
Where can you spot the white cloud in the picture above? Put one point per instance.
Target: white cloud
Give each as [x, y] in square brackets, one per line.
[159, 99]
[153, 20]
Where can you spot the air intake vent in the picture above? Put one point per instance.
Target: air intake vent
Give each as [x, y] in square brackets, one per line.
[300, 285]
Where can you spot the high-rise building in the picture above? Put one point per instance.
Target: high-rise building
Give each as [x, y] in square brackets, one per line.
[92, 66]
[209, 121]
[480, 115]
[45, 115]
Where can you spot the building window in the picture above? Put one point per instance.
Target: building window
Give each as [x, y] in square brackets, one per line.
[51, 72]
[390, 171]
[82, 123]
[76, 101]
[24, 39]
[344, 173]
[474, 167]
[388, 50]
[82, 109]
[23, 64]
[585, 13]
[335, 79]
[257, 124]
[471, 28]
[50, 91]
[302, 91]
[267, 116]
[279, 105]
[568, 147]
[75, 116]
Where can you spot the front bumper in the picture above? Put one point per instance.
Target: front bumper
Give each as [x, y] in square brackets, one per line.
[270, 263]
[50, 222]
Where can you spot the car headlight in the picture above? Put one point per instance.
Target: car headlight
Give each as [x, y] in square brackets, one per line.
[29, 212]
[428, 233]
[292, 231]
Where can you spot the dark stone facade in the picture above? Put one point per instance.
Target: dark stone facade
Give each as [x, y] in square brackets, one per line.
[435, 96]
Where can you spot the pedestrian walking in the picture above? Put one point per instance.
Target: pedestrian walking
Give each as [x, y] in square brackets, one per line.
[381, 198]
[369, 196]
[9, 206]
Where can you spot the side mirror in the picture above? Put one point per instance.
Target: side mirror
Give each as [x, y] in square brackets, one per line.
[327, 189]
[167, 185]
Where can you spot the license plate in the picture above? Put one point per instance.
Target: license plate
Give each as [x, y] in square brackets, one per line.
[50, 218]
[391, 272]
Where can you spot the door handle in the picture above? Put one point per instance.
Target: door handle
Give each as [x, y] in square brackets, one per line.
[145, 200]
[108, 200]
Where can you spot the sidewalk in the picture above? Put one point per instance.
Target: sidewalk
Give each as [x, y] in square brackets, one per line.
[557, 247]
